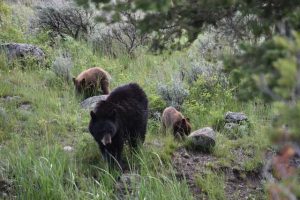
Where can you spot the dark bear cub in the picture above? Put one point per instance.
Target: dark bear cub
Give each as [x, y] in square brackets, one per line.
[121, 117]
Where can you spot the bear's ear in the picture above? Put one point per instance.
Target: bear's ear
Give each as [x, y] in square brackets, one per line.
[187, 119]
[183, 121]
[93, 115]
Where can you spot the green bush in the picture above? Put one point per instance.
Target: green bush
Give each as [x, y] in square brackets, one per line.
[272, 74]
[156, 104]
[9, 31]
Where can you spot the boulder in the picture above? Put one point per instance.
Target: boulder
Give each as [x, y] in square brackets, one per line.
[18, 50]
[235, 117]
[204, 138]
[91, 102]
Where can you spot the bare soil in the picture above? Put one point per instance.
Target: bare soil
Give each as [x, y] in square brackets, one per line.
[238, 183]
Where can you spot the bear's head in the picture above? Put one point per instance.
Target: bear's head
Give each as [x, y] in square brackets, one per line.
[103, 124]
[79, 85]
[183, 127]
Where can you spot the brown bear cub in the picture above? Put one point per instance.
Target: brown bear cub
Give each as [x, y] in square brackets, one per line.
[121, 117]
[89, 81]
[174, 121]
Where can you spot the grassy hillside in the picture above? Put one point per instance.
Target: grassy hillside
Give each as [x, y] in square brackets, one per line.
[40, 115]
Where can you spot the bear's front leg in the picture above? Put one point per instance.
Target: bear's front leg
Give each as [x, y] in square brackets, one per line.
[112, 154]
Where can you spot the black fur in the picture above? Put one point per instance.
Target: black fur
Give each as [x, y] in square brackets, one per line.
[124, 116]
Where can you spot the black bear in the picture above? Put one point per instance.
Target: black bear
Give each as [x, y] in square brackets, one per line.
[121, 117]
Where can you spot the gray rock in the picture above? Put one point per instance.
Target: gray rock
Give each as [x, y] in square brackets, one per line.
[25, 106]
[91, 102]
[186, 155]
[128, 184]
[18, 50]
[203, 138]
[235, 117]
[230, 126]
[5, 187]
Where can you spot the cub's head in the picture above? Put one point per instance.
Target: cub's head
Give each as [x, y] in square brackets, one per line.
[183, 127]
[79, 85]
[103, 126]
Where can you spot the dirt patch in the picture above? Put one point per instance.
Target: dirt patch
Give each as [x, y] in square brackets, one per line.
[238, 184]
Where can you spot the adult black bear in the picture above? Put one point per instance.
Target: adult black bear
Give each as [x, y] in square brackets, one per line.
[121, 117]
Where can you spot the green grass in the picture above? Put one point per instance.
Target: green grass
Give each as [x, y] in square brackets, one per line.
[212, 183]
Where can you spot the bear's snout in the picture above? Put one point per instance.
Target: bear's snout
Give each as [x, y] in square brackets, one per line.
[106, 139]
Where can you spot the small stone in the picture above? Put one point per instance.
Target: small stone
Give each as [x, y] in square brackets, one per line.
[186, 155]
[68, 148]
[91, 102]
[157, 143]
[203, 138]
[235, 117]
[25, 106]
[230, 126]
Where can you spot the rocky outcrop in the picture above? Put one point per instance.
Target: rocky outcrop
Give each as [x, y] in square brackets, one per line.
[235, 117]
[18, 50]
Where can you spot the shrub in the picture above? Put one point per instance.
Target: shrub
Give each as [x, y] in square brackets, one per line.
[9, 31]
[120, 38]
[65, 18]
[273, 72]
[156, 106]
[173, 94]
[62, 66]
[207, 90]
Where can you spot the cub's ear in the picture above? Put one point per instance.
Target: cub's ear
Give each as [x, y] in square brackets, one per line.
[93, 115]
[74, 80]
[183, 121]
[187, 119]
